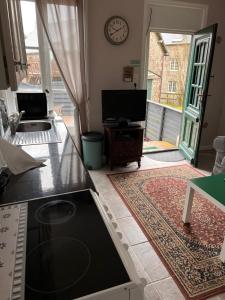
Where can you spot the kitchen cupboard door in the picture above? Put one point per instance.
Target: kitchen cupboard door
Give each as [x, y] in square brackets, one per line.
[113, 295]
[13, 42]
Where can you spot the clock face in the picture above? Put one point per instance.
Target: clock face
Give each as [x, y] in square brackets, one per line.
[116, 30]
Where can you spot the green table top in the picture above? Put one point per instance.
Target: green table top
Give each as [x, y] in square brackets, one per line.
[213, 185]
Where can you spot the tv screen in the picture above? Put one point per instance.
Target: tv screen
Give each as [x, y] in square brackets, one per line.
[34, 105]
[120, 105]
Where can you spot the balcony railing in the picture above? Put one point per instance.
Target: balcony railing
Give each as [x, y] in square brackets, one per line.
[172, 99]
[162, 123]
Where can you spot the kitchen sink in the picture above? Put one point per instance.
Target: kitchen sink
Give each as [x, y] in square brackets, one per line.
[35, 133]
[33, 126]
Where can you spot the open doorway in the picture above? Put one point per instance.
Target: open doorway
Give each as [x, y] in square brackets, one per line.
[168, 59]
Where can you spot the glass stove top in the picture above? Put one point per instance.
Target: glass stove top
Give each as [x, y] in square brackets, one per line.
[70, 253]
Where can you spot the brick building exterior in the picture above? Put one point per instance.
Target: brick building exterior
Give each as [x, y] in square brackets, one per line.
[157, 51]
[169, 60]
[34, 69]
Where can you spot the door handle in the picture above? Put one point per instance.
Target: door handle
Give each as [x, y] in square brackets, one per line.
[201, 95]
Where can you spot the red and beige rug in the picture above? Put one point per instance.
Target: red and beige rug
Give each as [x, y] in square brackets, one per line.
[155, 198]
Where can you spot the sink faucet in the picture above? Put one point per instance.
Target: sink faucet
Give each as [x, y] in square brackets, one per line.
[14, 120]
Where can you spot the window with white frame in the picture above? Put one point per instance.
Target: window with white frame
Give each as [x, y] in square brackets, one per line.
[33, 81]
[43, 73]
[173, 64]
[172, 86]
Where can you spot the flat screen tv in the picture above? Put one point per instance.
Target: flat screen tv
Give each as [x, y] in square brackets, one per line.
[123, 106]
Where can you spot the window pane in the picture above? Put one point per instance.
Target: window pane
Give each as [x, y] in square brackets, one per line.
[174, 65]
[33, 79]
[62, 104]
[29, 23]
[172, 86]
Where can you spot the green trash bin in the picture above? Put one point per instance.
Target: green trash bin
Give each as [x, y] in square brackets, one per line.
[92, 144]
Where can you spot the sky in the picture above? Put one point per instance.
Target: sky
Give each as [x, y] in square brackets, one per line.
[169, 38]
[29, 16]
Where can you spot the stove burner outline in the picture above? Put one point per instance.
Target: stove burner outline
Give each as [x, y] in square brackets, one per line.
[52, 204]
[82, 244]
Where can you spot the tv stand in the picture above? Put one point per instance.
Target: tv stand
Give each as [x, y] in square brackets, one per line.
[123, 144]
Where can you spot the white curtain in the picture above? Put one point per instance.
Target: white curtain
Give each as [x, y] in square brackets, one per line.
[64, 24]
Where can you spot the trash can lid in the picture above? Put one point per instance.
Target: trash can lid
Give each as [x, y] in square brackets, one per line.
[92, 136]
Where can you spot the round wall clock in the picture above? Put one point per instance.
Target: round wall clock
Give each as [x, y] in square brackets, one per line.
[116, 30]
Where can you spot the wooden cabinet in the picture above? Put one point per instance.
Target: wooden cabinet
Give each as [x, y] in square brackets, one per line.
[12, 44]
[123, 145]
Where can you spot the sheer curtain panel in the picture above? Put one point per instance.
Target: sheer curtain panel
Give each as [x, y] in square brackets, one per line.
[64, 24]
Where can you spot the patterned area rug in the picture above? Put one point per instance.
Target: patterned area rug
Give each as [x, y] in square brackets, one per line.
[156, 198]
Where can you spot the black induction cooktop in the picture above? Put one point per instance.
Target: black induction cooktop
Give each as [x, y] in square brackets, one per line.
[70, 253]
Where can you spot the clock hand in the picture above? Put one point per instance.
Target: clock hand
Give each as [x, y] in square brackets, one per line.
[116, 31]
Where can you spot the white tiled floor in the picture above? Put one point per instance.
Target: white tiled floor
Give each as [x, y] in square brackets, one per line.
[160, 285]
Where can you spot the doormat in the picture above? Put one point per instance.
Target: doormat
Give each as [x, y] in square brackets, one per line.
[190, 253]
[151, 146]
[168, 156]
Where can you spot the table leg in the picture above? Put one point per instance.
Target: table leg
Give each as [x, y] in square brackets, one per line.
[222, 253]
[188, 204]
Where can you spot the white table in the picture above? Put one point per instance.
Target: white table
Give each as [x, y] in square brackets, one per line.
[213, 189]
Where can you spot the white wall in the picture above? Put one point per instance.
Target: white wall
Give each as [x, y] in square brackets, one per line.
[221, 130]
[107, 61]
[217, 104]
